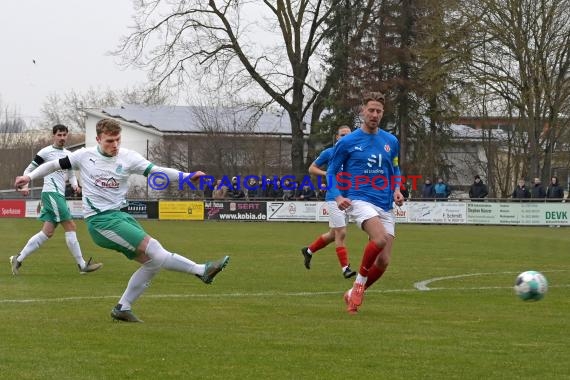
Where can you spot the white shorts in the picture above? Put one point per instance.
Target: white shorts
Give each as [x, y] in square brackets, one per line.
[361, 211]
[337, 218]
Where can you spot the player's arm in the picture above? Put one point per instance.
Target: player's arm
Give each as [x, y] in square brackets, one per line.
[314, 169]
[398, 196]
[41, 171]
[72, 178]
[37, 161]
[173, 174]
[317, 167]
[335, 164]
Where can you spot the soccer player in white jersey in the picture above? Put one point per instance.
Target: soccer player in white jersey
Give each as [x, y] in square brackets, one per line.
[337, 218]
[104, 171]
[54, 206]
[366, 162]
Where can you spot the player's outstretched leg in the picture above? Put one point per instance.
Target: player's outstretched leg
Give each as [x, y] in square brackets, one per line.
[89, 266]
[213, 268]
[15, 264]
[307, 256]
[123, 315]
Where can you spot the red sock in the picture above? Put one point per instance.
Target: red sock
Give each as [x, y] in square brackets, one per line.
[370, 253]
[318, 244]
[342, 255]
[374, 274]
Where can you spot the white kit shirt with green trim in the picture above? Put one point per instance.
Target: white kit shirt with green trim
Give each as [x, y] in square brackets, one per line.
[104, 179]
[54, 182]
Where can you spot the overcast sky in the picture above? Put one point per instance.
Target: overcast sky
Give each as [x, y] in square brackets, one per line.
[69, 41]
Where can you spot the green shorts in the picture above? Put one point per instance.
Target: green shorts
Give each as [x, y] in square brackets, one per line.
[54, 208]
[116, 230]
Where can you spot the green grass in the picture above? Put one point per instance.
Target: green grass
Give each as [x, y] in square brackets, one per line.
[268, 317]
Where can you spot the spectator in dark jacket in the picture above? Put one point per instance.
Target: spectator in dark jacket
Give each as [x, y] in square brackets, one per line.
[289, 188]
[236, 191]
[307, 194]
[521, 192]
[555, 192]
[275, 190]
[478, 190]
[428, 190]
[251, 190]
[537, 192]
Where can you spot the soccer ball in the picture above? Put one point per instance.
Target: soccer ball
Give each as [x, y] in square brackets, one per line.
[531, 286]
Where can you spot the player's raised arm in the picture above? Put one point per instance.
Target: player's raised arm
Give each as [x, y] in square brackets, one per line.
[174, 174]
[41, 171]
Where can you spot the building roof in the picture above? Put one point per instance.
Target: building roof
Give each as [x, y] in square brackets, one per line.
[464, 132]
[188, 119]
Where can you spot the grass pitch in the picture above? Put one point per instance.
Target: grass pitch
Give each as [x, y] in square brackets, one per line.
[266, 316]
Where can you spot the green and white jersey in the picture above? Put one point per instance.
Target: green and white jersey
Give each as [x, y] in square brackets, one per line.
[104, 179]
[54, 182]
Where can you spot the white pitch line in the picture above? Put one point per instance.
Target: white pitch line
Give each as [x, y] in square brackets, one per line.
[418, 286]
[201, 295]
[423, 285]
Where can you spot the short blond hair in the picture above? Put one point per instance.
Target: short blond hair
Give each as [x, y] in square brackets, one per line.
[108, 126]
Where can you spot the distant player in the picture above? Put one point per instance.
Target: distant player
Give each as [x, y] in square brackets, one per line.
[54, 206]
[105, 170]
[337, 218]
[366, 162]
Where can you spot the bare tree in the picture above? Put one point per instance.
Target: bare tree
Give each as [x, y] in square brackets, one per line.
[217, 40]
[68, 108]
[16, 146]
[520, 61]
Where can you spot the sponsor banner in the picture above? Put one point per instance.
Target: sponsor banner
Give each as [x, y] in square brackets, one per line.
[435, 212]
[322, 212]
[76, 209]
[137, 209]
[33, 208]
[401, 212]
[12, 208]
[483, 213]
[177, 210]
[528, 213]
[224, 210]
[299, 211]
[553, 214]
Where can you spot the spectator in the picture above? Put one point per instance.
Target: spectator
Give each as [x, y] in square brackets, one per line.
[275, 191]
[555, 192]
[208, 189]
[268, 188]
[428, 190]
[236, 192]
[288, 190]
[307, 194]
[220, 191]
[442, 190]
[322, 192]
[478, 190]
[538, 191]
[521, 192]
[251, 190]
